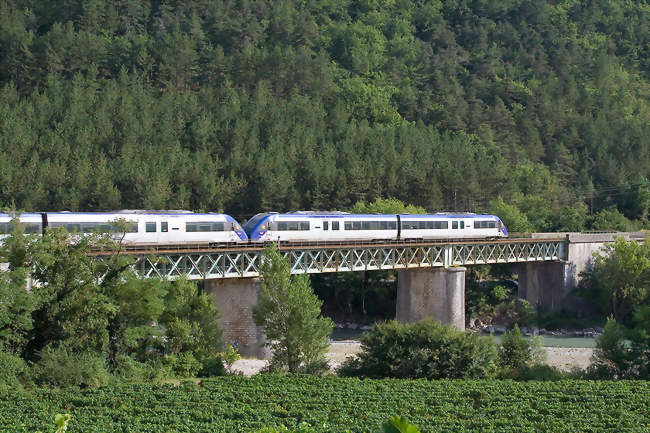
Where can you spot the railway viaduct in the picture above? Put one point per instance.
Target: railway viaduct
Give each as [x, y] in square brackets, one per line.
[430, 281]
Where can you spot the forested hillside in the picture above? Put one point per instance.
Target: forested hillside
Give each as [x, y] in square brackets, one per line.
[244, 106]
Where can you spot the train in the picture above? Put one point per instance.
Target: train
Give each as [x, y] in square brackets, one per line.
[139, 226]
[186, 227]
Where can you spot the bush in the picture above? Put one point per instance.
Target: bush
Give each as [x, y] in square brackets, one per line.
[539, 372]
[183, 365]
[213, 367]
[61, 367]
[425, 349]
[129, 370]
[517, 351]
[13, 371]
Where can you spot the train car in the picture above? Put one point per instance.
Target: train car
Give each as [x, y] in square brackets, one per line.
[451, 226]
[153, 227]
[32, 223]
[341, 226]
[320, 226]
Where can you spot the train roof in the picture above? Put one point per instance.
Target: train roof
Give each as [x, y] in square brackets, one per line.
[140, 212]
[336, 214]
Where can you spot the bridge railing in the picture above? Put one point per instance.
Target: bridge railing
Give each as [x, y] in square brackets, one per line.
[245, 262]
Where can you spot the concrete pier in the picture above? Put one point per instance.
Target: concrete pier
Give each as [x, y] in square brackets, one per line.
[438, 293]
[235, 298]
[545, 284]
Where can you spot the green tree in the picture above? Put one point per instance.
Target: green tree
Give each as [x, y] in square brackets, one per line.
[511, 216]
[386, 206]
[290, 313]
[624, 352]
[190, 320]
[619, 279]
[518, 352]
[16, 302]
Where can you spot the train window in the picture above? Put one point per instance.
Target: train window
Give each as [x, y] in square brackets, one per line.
[164, 227]
[304, 225]
[462, 224]
[335, 225]
[383, 225]
[454, 224]
[150, 227]
[5, 227]
[356, 225]
[326, 225]
[365, 225]
[31, 228]
[282, 226]
[204, 226]
[485, 224]
[129, 227]
[73, 228]
[392, 225]
[348, 225]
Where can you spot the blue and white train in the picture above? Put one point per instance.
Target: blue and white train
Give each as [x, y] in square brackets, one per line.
[341, 226]
[142, 227]
[185, 227]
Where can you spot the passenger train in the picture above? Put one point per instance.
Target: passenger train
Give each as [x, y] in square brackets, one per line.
[142, 227]
[341, 226]
[176, 227]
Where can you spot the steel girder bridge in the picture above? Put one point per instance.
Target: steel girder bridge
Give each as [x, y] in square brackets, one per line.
[244, 261]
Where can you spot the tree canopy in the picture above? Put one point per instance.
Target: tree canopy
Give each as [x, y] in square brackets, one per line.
[249, 106]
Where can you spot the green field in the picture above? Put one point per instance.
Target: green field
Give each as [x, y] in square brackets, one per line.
[237, 404]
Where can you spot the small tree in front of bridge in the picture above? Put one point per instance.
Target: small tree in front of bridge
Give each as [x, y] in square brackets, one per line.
[290, 313]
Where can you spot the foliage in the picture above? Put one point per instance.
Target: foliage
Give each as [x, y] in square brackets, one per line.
[624, 353]
[524, 359]
[94, 308]
[13, 371]
[425, 349]
[315, 105]
[62, 367]
[612, 219]
[512, 217]
[190, 320]
[385, 206]
[291, 316]
[16, 303]
[335, 405]
[399, 424]
[61, 421]
[619, 278]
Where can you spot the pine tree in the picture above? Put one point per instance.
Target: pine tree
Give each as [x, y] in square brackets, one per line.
[291, 315]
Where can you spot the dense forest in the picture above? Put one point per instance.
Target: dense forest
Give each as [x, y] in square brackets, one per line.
[535, 109]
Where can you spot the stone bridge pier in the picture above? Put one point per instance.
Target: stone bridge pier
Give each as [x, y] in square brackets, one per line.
[235, 298]
[438, 293]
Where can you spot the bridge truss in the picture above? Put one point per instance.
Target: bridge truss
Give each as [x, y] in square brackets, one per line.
[243, 262]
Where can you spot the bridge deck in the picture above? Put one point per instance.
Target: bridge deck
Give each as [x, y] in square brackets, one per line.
[242, 261]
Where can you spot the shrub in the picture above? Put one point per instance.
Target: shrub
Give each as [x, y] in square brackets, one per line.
[183, 365]
[13, 371]
[539, 372]
[212, 367]
[425, 349]
[129, 370]
[61, 367]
